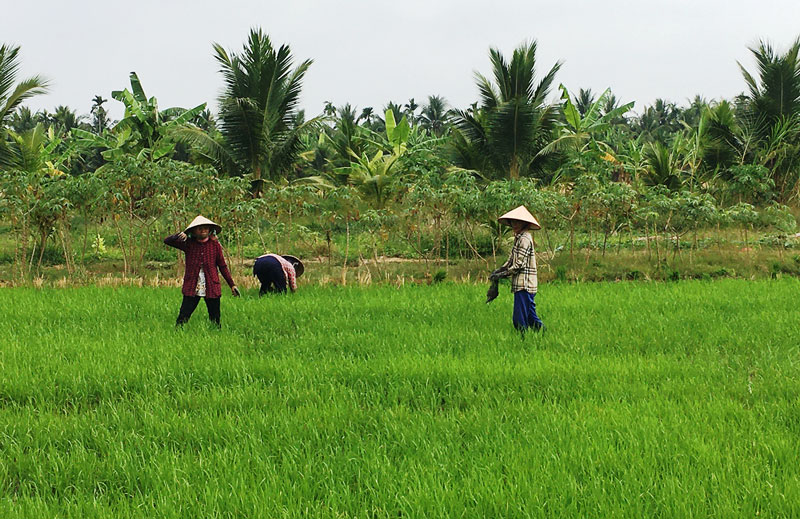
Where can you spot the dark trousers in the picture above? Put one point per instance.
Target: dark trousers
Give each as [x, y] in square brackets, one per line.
[525, 312]
[269, 272]
[190, 303]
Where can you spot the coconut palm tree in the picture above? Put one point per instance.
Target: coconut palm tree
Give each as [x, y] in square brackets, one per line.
[434, 115]
[584, 100]
[367, 114]
[410, 109]
[516, 122]
[663, 166]
[776, 93]
[772, 109]
[65, 119]
[257, 110]
[22, 120]
[100, 120]
[13, 93]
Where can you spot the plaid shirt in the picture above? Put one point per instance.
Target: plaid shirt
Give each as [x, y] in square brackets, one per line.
[208, 256]
[521, 264]
[288, 271]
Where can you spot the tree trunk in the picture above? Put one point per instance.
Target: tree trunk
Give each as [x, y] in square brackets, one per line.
[571, 239]
[513, 170]
[658, 249]
[346, 249]
[42, 243]
[328, 239]
[122, 246]
[85, 238]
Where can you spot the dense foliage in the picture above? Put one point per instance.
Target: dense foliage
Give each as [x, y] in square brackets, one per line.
[429, 177]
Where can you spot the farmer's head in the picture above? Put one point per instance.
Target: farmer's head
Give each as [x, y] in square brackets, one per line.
[518, 226]
[201, 232]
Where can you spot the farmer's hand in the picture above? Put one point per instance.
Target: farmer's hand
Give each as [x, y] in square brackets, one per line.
[235, 291]
[496, 274]
[182, 236]
[213, 237]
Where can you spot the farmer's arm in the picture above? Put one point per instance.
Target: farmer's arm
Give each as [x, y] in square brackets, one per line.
[177, 240]
[223, 267]
[515, 258]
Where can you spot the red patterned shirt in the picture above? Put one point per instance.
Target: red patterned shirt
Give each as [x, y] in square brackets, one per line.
[202, 255]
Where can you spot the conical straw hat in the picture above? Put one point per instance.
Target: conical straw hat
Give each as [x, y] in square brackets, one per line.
[202, 220]
[299, 268]
[521, 214]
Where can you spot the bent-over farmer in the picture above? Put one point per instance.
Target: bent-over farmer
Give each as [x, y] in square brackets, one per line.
[203, 257]
[521, 268]
[277, 272]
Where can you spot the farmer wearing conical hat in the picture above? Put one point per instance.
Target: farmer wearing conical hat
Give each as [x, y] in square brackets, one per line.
[277, 272]
[521, 268]
[203, 257]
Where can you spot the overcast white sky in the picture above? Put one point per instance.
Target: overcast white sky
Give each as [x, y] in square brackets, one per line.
[368, 52]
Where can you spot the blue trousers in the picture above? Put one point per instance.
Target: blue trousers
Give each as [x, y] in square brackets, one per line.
[269, 272]
[525, 312]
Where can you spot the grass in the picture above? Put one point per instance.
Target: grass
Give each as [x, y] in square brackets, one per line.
[641, 400]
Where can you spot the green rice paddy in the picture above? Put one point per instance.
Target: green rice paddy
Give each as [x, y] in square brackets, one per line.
[640, 400]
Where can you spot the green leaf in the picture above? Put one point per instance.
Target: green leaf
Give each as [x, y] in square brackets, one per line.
[163, 148]
[138, 91]
[390, 123]
[571, 113]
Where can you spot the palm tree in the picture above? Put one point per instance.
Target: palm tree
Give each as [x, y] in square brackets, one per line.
[410, 111]
[611, 104]
[434, 115]
[367, 114]
[257, 112]
[22, 120]
[777, 94]
[329, 110]
[205, 121]
[659, 122]
[100, 120]
[773, 108]
[344, 137]
[663, 166]
[514, 122]
[11, 95]
[584, 100]
[65, 119]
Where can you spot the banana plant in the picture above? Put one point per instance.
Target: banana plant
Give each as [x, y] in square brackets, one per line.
[144, 131]
[580, 131]
[374, 176]
[397, 133]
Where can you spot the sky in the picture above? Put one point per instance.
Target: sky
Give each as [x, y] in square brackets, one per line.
[368, 52]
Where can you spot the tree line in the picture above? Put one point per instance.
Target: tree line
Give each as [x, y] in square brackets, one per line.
[430, 175]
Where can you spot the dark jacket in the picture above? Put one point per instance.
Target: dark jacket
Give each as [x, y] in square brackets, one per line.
[209, 257]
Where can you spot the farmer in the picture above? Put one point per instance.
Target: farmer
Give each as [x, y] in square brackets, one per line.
[521, 268]
[276, 273]
[203, 257]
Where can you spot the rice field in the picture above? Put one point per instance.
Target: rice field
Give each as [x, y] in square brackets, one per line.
[640, 400]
